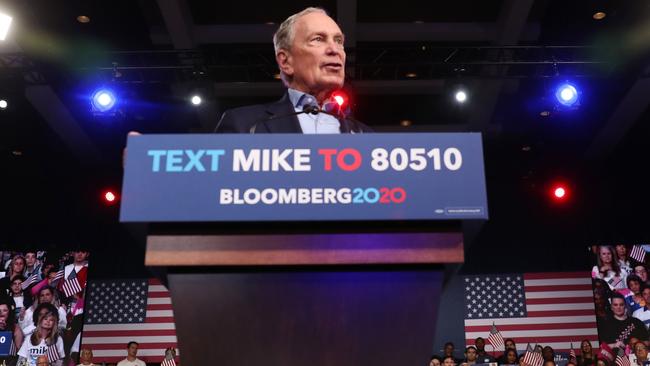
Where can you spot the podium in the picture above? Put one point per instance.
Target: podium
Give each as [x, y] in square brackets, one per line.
[261, 283]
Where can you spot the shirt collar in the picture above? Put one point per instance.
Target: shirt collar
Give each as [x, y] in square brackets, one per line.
[298, 98]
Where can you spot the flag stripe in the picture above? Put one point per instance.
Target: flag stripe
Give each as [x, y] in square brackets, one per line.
[149, 345]
[568, 300]
[578, 306]
[561, 294]
[540, 320]
[535, 288]
[555, 275]
[559, 281]
[519, 327]
[560, 312]
[539, 333]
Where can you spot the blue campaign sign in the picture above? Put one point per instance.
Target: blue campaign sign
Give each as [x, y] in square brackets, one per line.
[5, 343]
[289, 177]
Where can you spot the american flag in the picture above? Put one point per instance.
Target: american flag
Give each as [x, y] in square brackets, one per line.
[29, 281]
[638, 253]
[52, 353]
[120, 311]
[622, 360]
[496, 339]
[171, 362]
[533, 358]
[550, 309]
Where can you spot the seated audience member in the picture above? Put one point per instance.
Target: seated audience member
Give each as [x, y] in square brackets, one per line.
[448, 350]
[617, 329]
[16, 268]
[548, 354]
[470, 356]
[586, 357]
[8, 320]
[448, 361]
[481, 355]
[509, 344]
[45, 335]
[509, 357]
[16, 292]
[86, 357]
[623, 258]
[40, 310]
[643, 313]
[642, 272]
[640, 353]
[435, 361]
[607, 268]
[632, 293]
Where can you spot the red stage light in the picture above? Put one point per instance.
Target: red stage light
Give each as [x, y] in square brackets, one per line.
[110, 197]
[340, 98]
[560, 192]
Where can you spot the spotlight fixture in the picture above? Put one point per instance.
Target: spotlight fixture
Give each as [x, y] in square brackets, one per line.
[599, 15]
[405, 122]
[3, 104]
[196, 100]
[83, 19]
[103, 100]
[5, 23]
[411, 75]
[567, 94]
[460, 96]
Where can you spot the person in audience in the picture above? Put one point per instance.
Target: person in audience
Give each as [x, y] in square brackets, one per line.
[45, 295]
[470, 356]
[509, 357]
[548, 353]
[40, 311]
[42, 361]
[16, 292]
[508, 344]
[623, 258]
[608, 268]
[617, 329]
[641, 271]
[549, 363]
[86, 357]
[32, 264]
[586, 357]
[640, 353]
[131, 356]
[16, 267]
[602, 294]
[448, 361]
[45, 335]
[448, 350]
[8, 320]
[435, 361]
[481, 355]
[643, 313]
[632, 293]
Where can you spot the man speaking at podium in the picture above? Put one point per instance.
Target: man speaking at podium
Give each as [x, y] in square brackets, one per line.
[310, 54]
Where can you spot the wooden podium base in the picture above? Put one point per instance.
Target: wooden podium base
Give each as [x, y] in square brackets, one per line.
[302, 317]
[346, 298]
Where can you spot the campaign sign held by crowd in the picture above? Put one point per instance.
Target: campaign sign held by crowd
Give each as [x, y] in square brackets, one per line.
[201, 178]
[5, 343]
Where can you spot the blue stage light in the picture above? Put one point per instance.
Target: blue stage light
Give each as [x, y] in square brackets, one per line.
[103, 100]
[566, 94]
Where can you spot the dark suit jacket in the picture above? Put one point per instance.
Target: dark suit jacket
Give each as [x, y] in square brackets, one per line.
[258, 119]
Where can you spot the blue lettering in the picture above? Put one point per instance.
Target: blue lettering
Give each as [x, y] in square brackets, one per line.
[156, 154]
[215, 154]
[174, 158]
[195, 160]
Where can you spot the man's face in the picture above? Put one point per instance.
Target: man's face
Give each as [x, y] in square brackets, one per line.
[448, 362]
[618, 307]
[133, 350]
[316, 60]
[471, 355]
[640, 350]
[641, 272]
[80, 256]
[15, 287]
[646, 295]
[480, 344]
[42, 361]
[547, 353]
[634, 286]
[45, 296]
[4, 311]
[30, 258]
[449, 350]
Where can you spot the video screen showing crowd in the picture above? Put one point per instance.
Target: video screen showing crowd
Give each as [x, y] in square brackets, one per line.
[41, 306]
[622, 302]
